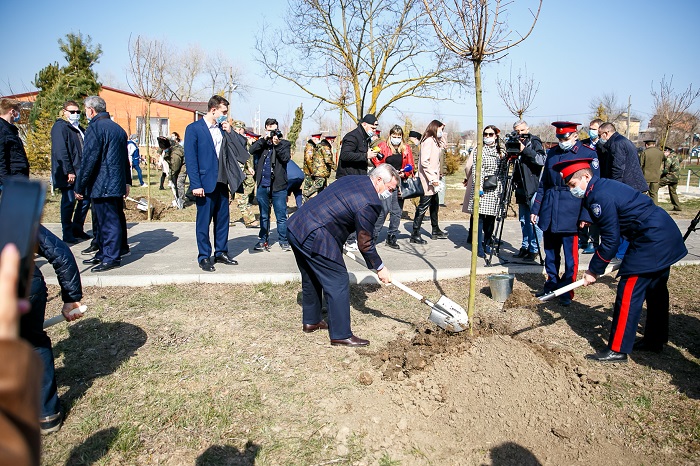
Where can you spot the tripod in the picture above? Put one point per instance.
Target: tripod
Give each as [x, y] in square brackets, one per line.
[514, 164]
[693, 226]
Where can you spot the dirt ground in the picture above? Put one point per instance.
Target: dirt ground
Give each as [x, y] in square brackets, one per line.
[214, 374]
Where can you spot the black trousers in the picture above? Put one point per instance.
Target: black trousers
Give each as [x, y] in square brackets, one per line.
[431, 202]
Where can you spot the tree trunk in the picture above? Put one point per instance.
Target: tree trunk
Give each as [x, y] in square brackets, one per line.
[148, 157]
[476, 184]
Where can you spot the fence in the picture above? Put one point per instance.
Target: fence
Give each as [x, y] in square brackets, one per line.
[692, 180]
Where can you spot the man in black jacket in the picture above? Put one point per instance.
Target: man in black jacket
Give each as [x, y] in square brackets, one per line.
[31, 324]
[66, 154]
[526, 179]
[624, 161]
[354, 151]
[270, 156]
[13, 159]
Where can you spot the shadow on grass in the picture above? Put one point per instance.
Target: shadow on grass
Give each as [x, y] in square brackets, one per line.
[93, 448]
[358, 300]
[227, 455]
[512, 454]
[94, 349]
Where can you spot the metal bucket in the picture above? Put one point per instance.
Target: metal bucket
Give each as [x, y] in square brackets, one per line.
[501, 286]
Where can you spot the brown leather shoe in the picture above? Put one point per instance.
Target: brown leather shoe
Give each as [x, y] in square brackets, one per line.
[308, 328]
[352, 341]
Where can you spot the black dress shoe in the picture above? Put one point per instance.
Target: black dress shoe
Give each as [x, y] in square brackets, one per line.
[522, 253]
[206, 265]
[644, 345]
[90, 249]
[391, 242]
[531, 256]
[92, 261]
[417, 239]
[352, 341]
[308, 328]
[225, 259]
[439, 235]
[540, 293]
[70, 240]
[81, 235]
[105, 267]
[608, 356]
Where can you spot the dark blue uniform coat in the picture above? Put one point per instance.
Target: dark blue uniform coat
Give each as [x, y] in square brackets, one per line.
[655, 244]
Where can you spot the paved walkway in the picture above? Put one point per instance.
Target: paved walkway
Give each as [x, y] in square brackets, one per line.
[163, 253]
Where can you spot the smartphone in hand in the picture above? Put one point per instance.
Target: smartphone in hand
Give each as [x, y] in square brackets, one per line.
[21, 206]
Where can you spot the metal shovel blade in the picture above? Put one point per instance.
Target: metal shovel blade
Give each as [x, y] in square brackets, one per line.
[448, 315]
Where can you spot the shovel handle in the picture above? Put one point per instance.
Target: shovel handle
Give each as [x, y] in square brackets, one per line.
[572, 286]
[398, 284]
[60, 318]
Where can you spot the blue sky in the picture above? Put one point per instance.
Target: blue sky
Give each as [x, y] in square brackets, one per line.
[578, 51]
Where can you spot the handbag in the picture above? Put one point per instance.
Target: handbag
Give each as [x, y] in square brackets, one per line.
[490, 183]
[411, 187]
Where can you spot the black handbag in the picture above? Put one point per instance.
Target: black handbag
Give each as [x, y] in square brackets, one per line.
[490, 183]
[411, 187]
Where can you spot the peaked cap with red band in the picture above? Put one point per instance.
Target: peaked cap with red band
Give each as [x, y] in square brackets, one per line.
[565, 127]
[569, 167]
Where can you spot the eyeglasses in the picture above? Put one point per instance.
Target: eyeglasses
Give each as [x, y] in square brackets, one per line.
[74, 112]
[489, 134]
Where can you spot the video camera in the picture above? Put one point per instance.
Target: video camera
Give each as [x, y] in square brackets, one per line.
[275, 132]
[513, 141]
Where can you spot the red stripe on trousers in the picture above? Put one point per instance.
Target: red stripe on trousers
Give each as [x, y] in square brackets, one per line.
[575, 256]
[624, 312]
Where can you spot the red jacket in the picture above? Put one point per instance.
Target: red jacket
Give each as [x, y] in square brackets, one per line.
[406, 159]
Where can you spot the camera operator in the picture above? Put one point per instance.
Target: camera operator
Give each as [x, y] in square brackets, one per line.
[270, 156]
[526, 179]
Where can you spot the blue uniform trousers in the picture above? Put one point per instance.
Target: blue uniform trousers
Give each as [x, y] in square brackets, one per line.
[111, 225]
[73, 213]
[632, 291]
[321, 276]
[554, 243]
[213, 206]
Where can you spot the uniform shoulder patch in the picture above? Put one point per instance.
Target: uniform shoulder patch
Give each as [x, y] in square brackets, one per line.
[596, 210]
[595, 164]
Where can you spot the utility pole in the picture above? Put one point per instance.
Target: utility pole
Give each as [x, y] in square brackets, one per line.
[629, 109]
[256, 121]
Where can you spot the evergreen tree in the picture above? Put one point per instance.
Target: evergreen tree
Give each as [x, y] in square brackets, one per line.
[73, 81]
[295, 129]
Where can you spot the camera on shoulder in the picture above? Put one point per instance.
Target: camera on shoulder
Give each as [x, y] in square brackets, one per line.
[513, 141]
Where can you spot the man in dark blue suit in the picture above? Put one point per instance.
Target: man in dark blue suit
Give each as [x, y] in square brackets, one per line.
[317, 232]
[105, 178]
[204, 140]
[655, 243]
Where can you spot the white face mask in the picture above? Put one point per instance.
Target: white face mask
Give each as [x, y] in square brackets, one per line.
[489, 141]
[395, 140]
[439, 134]
[74, 118]
[566, 145]
[386, 194]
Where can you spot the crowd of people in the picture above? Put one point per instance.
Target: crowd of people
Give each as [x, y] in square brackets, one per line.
[597, 195]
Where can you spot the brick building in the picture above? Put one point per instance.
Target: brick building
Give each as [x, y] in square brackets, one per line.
[128, 110]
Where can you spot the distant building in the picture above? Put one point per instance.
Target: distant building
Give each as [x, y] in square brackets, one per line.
[621, 126]
[129, 111]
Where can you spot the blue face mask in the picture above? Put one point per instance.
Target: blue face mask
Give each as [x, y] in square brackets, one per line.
[386, 194]
[602, 141]
[577, 192]
[221, 119]
[593, 133]
[566, 145]
[17, 118]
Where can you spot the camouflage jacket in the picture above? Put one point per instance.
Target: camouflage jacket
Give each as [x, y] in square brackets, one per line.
[318, 159]
[671, 167]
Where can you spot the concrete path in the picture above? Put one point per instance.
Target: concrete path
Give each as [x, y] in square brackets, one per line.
[163, 253]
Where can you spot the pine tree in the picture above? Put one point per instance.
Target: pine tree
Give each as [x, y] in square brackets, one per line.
[295, 129]
[73, 81]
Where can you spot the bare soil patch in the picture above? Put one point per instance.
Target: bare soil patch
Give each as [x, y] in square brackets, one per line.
[214, 374]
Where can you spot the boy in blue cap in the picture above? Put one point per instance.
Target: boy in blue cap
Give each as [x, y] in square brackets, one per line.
[655, 244]
[557, 213]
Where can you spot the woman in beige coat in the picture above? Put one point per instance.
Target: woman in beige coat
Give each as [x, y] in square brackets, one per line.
[432, 145]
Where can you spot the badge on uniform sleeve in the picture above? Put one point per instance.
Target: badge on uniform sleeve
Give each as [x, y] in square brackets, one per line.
[595, 164]
[595, 208]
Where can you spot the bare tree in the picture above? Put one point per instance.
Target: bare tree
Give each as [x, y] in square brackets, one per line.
[381, 48]
[475, 30]
[607, 107]
[672, 108]
[519, 93]
[147, 69]
[184, 73]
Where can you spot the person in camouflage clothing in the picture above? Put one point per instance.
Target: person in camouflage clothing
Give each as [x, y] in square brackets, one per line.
[670, 170]
[244, 204]
[178, 171]
[318, 163]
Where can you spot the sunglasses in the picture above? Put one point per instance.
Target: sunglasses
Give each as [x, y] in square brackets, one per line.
[74, 112]
[489, 134]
